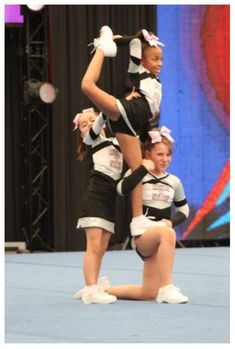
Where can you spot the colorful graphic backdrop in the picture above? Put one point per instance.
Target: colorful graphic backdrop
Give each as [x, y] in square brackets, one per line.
[196, 100]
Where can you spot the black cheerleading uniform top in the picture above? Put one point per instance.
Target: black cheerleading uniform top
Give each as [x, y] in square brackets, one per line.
[147, 84]
[138, 112]
[160, 194]
[98, 202]
[140, 77]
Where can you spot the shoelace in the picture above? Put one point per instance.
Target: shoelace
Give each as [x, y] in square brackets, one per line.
[94, 48]
[176, 288]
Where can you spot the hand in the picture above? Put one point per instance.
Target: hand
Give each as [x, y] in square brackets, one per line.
[148, 164]
[117, 36]
[133, 94]
[168, 222]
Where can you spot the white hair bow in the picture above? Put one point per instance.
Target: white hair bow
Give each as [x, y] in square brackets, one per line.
[151, 38]
[156, 135]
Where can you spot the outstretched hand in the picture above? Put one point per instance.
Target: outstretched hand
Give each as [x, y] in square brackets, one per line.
[117, 36]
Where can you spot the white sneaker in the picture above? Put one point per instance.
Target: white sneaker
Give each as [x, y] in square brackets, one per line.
[105, 42]
[94, 294]
[171, 294]
[103, 283]
[78, 294]
[141, 223]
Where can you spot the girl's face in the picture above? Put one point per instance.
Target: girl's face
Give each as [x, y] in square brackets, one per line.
[85, 122]
[161, 156]
[152, 59]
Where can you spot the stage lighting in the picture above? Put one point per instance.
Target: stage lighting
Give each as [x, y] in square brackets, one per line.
[36, 90]
[35, 7]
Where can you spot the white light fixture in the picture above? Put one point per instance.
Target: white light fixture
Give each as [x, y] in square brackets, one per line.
[35, 7]
[47, 92]
[37, 90]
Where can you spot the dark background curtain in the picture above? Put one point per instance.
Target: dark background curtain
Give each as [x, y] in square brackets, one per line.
[71, 28]
[13, 109]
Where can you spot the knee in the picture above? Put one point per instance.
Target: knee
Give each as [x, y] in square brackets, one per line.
[170, 236]
[103, 249]
[96, 249]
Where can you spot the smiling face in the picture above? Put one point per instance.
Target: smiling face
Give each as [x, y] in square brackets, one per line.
[161, 155]
[152, 59]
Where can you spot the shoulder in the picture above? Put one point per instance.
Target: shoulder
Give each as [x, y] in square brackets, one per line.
[173, 180]
[100, 139]
[148, 177]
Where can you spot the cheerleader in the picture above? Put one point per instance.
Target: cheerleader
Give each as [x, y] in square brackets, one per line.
[161, 190]
[129, 117]
[156, 246]
[97, 212]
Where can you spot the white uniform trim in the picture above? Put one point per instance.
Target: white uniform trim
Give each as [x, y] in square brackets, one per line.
[95, 222]
[125, 118]
[183, 209]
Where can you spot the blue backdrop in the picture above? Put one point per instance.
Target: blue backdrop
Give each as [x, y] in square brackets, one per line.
[195, 107]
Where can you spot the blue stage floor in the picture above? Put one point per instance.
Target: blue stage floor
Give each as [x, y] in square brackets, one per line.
[39, 307]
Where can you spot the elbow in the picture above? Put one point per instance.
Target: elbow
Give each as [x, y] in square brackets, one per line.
[85, 86]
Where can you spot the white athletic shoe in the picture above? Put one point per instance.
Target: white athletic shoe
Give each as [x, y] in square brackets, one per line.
[141, 223]
[103, 283]
[171, 294]
[78, 294]
[105, 42]
[94, 294]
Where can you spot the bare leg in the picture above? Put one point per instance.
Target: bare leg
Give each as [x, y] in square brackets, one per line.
[164, 240]
[131, 151]
[104, 245]
[157, 269]
[149, 287]
[104, 101]
[97, 242]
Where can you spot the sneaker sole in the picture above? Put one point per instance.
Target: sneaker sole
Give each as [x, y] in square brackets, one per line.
[104, 302]
[182, 302]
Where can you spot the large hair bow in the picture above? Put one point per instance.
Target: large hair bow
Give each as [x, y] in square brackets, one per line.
[77, 117]
[151, 38]
[156, 135]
